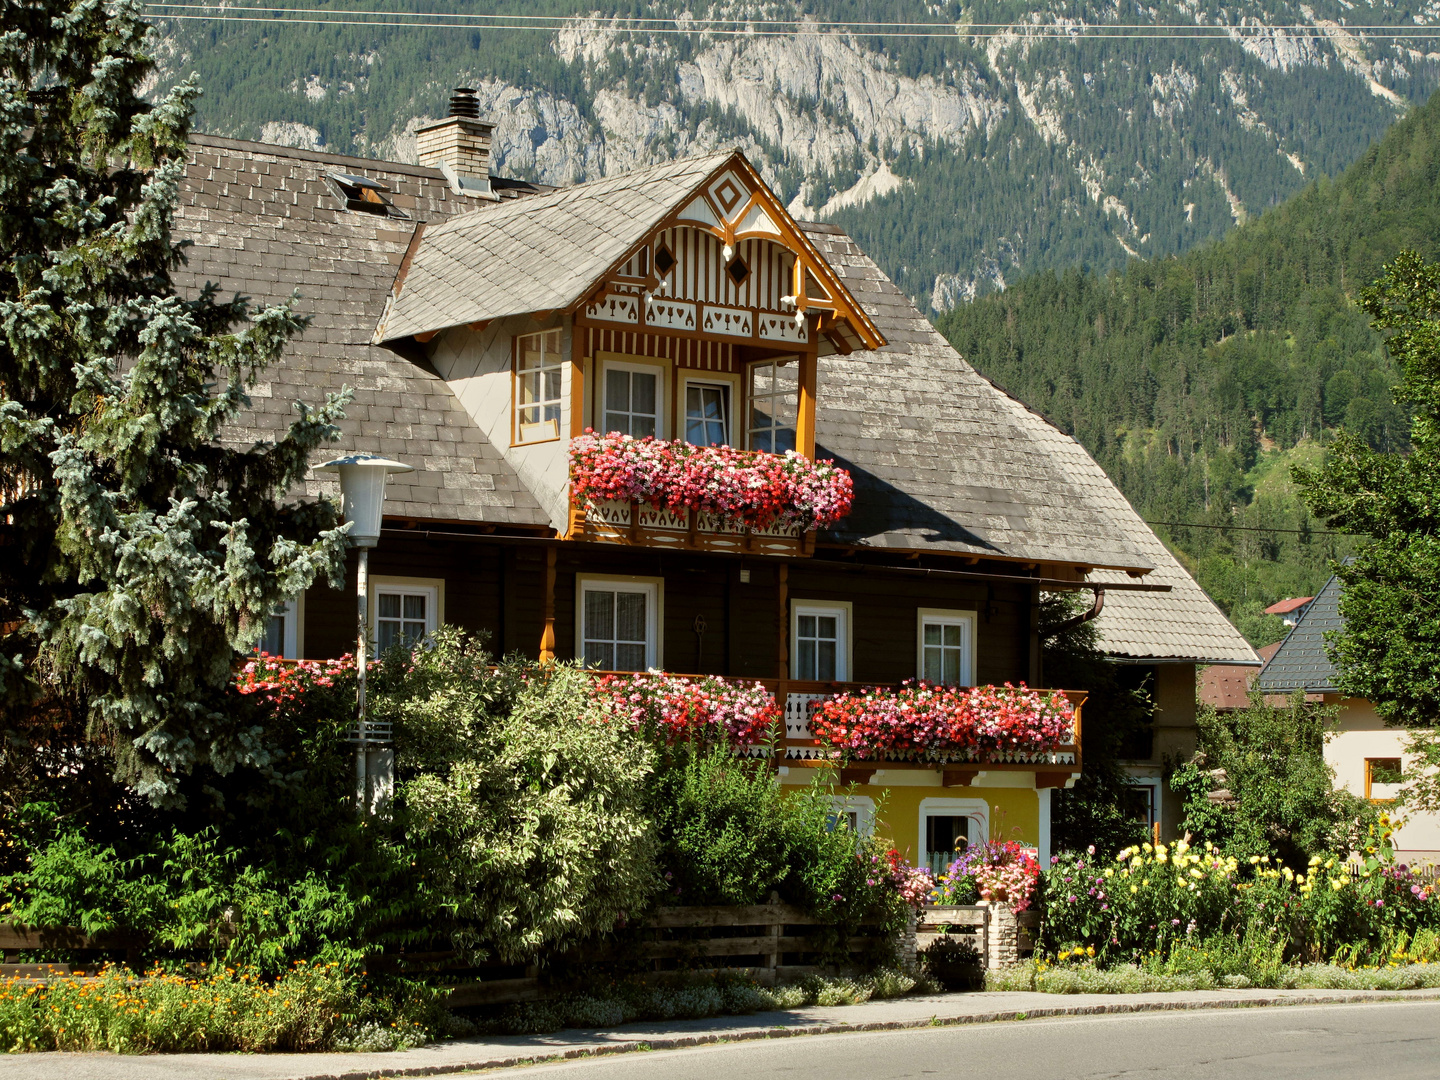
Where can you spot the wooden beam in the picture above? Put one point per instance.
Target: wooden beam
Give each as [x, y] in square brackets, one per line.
[547, 637]
[477, 326]
[427, 336]
[782, 616]
[805, 414]
[577, 381]
[857, 774]
[957, 777]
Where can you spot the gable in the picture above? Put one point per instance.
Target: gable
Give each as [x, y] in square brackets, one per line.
[700, 246]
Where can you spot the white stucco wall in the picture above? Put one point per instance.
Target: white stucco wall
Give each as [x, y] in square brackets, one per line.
[478, 368]
[1362, 734]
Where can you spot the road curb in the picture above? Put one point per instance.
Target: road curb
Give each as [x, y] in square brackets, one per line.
[754, 1034]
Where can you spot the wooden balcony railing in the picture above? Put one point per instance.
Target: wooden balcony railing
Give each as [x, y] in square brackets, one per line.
[642, 525]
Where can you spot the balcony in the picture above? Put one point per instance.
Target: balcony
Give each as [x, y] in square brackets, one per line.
[660, 493]
[1054, 762]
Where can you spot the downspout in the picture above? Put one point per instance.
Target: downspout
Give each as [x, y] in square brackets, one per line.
[1084, 617]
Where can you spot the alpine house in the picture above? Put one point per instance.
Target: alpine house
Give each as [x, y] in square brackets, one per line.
[656, 423]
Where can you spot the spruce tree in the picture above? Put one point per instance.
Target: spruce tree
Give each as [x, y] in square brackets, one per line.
[140, 548]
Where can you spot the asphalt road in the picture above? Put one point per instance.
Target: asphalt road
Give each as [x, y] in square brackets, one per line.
[1319, 1042]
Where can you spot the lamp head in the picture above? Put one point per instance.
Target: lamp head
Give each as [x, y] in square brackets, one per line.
[362, 492]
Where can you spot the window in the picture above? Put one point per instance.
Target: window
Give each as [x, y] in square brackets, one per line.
[820, 633]
[632, 400]
[363, 194]
[946, 647]
[619, 623]
[948, 827]
[1383, 777]
[403, 611]
[1141, 803]
[774, 397]
[853, 812]
[282, 632]
[707, 414]
[539, 379]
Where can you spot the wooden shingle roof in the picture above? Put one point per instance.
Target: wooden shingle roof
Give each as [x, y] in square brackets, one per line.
[265, 222]
[540, 253]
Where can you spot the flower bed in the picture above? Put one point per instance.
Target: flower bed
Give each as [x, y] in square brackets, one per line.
[1175, 900]
[738, 488]
[924, 720]
[709, 709]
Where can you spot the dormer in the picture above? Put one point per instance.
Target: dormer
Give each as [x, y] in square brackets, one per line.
[680, 303]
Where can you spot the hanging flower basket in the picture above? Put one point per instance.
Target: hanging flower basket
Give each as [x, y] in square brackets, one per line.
[737, 488]
[924, 721]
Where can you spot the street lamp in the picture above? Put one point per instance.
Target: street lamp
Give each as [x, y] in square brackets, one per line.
[362, 493]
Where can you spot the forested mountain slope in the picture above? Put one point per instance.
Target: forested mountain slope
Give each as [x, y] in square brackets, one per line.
[963, 158]
[1195, 381]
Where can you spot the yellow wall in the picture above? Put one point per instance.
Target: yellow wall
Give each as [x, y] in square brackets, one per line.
[1014, 813]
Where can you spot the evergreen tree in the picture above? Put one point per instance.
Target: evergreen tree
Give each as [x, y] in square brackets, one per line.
[1389, 651]
[142, 550]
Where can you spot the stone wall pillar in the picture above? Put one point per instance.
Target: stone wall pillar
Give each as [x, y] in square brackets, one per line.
[1003, 937]
[907, 949]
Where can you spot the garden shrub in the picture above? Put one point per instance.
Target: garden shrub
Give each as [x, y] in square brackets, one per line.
[1283, 799]
[522, 799]
[730, 835]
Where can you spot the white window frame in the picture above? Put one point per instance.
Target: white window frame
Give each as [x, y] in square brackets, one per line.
[292, 641]
[1156, 808]
[977, 828]
[653, 587]
[708, 378]
[609, 363]
[862, 806]
[844, 654]
[947, 617]
[432, 588]
[749, 402]
[544, 430]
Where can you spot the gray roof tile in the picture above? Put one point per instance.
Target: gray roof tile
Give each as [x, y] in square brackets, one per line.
[1301, 662]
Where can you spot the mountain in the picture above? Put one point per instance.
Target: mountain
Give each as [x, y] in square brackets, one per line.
[964, 153]
[1196, 381]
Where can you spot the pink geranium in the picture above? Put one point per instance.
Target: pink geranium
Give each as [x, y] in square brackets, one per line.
[708, 708]
[739, 488]
[937, 721]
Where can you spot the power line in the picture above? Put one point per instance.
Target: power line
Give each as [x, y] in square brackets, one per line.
[714, 28]
[1250, 528]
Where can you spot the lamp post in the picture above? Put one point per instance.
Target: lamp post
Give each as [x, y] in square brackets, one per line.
[362, 493]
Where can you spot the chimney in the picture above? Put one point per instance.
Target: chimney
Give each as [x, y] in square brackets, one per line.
[459, 146]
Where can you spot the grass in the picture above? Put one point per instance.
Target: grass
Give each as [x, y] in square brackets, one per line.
[1130, 979]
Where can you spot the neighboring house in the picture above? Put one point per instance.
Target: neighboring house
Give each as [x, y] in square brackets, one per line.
[1226, 689]
[484, 322]
[1291, 610]
[1368, 757]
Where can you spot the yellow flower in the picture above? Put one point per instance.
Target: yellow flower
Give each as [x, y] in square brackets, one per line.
[1133, 889]
[1254, 860]
[1194, 872]
[1090, 951]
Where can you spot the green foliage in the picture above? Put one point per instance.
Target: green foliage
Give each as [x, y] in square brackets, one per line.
[142, 553]
[730, 835]
[1095, 810]
[1283, 800]
[521, 800]
[1189, 379]
[1389, 651]
[309, 1007]
[1199, 909]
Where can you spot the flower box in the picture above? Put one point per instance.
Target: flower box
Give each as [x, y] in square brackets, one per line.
[622, 487]
[921, 722]
[706, 708]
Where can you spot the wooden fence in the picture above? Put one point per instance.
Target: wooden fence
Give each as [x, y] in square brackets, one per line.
[766, 942]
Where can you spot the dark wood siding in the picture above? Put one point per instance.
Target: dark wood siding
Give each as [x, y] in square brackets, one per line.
[498, 588]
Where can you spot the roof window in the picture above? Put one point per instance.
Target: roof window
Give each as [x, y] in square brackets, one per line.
[363, 194]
